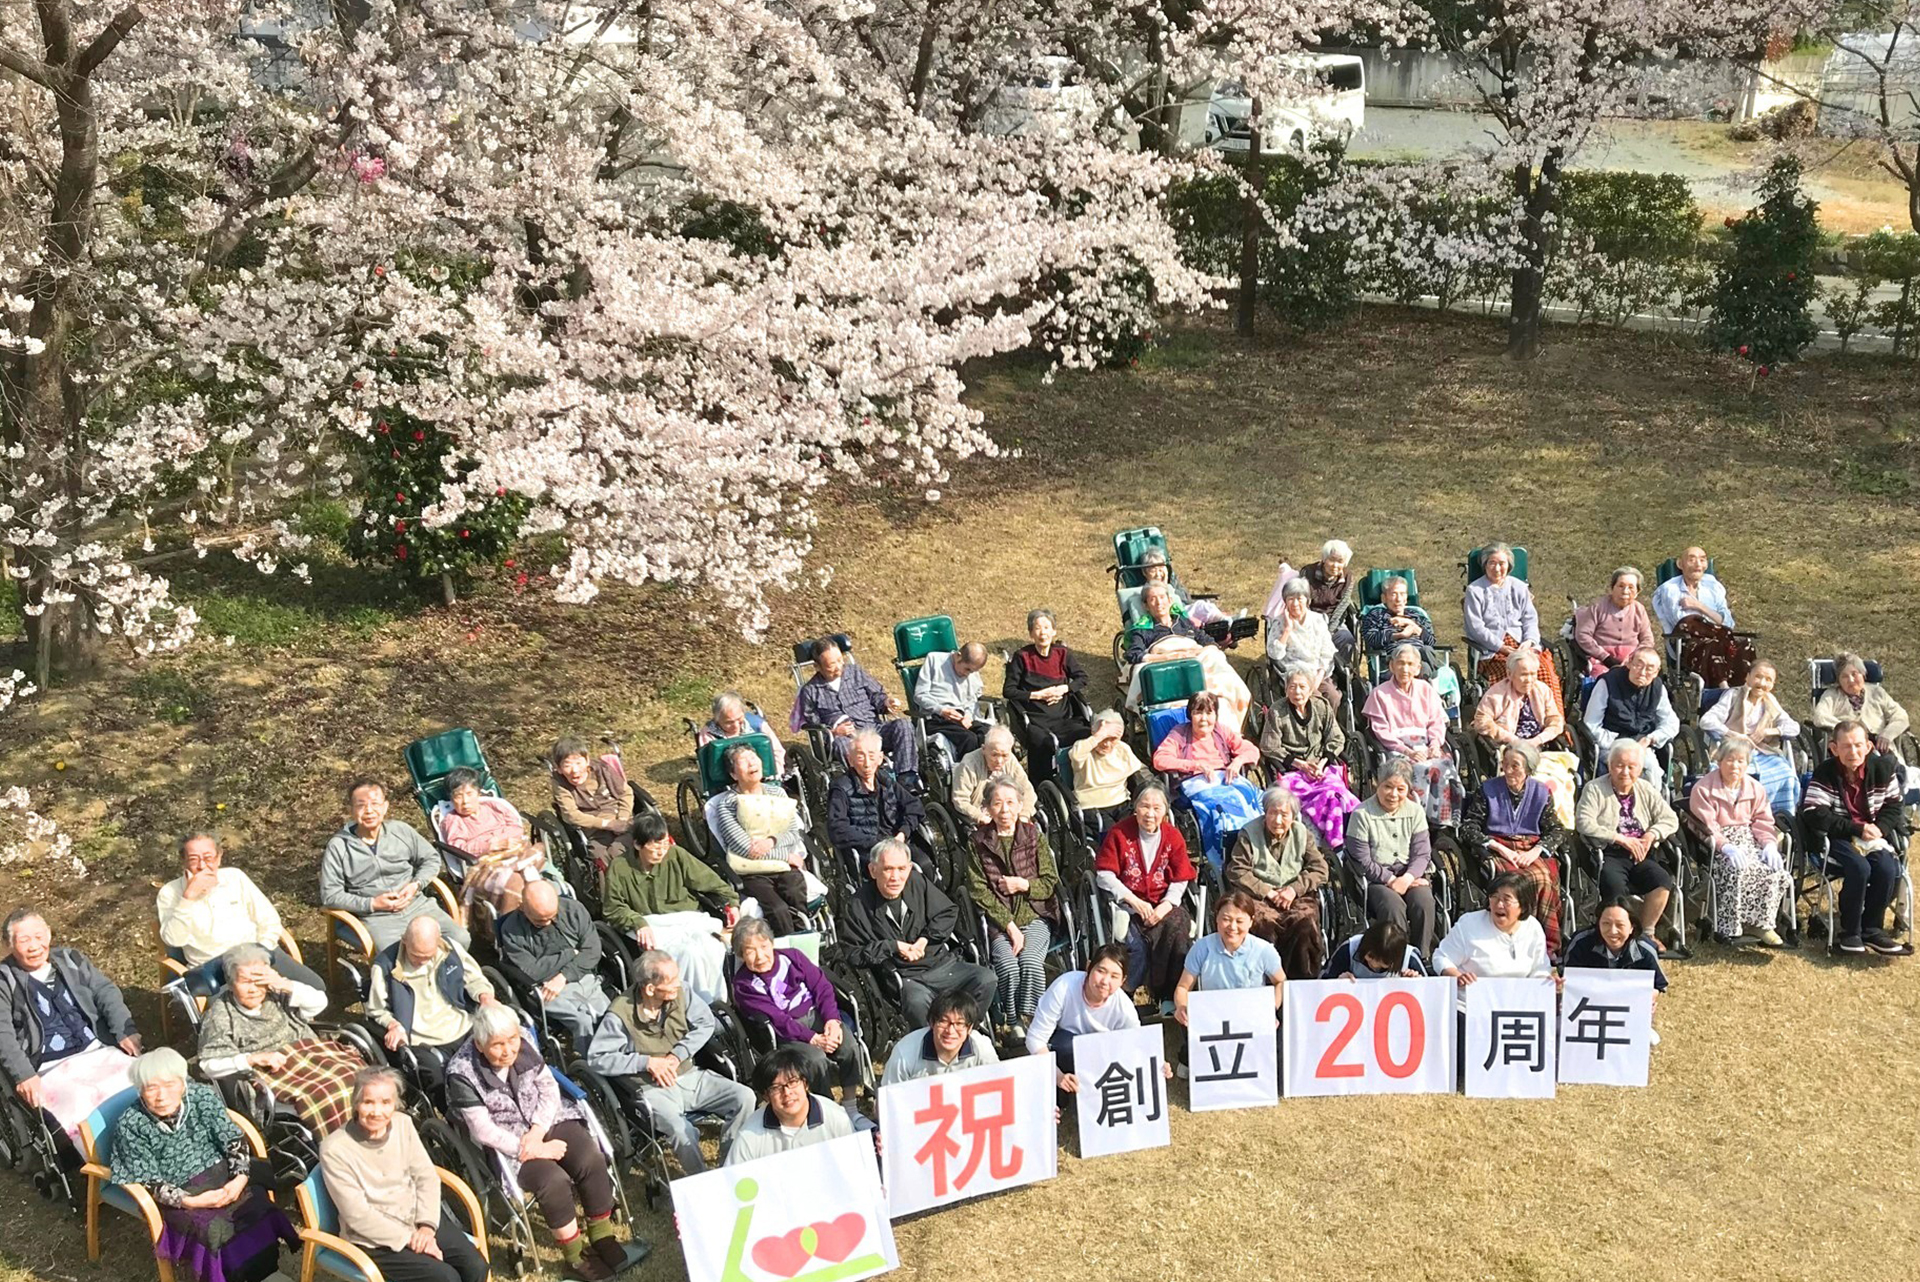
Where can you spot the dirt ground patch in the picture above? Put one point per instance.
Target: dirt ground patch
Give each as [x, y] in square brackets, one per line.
[1779, 1135]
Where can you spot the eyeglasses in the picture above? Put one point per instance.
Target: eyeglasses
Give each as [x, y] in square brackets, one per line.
[953, 1021]
[787, 1084]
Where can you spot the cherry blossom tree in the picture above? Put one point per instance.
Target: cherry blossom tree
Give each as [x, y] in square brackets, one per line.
[667, 271]
[1550, 72]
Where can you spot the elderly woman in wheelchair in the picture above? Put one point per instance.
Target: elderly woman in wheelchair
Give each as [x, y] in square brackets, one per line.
[1406, 719]
[259, 1029]
[501, 852]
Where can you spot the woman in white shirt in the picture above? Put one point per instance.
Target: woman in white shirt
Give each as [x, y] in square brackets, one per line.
[1751, 712]
[1503, 941]
[1093, 1000]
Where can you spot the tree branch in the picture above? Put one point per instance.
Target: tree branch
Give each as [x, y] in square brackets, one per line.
[26, 68]
[103, 44]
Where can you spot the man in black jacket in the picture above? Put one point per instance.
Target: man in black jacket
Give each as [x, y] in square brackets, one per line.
[68, 1040]
[899, 920]
[1852, 805]
[549, 946]
[869, 804]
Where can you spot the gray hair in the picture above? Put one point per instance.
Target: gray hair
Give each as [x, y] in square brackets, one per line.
[20, 917]
[994, 788]
[1038, 613]
[1281, 797]
[1497, 549]
[494, 1019]
[998, 736]
[1405, 647]
[747, 929]
[163, 1065]
[1106, 715]
[1624, 745]
[1394, 767]
[651, 967]
[726, 699]
[1152, 556]
[201, 834]
[1624, 572]
[370, 1077]
[859, 737]
[1296, 586]
[1848, 727]
[888, 846]
[1393, 579]
[1335, 548]
[1528, 754]
[1729, 745]
[241, 956]
[1847, 660]
[1156, 790]
[1300, 670]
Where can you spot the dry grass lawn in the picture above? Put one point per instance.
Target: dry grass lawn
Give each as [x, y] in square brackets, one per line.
[1779, 1138]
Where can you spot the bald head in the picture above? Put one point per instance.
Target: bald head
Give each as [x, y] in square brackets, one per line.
[540, 902]
[422, 940]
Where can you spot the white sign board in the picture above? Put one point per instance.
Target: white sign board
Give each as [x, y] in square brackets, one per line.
[1122, 1097]
[1511, 1038]
[1606, 1027]
[815, 1214]
[960, 1135]
[1369, 1037]
[1232, 1053]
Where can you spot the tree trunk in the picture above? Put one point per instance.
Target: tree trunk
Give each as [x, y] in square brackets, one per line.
[1536, 194]
[1250, 222]
[447, 594]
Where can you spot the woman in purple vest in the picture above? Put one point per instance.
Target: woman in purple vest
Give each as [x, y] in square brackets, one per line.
[1510, 816]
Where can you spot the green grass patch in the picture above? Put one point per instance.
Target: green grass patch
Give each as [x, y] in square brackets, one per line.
[169, 695]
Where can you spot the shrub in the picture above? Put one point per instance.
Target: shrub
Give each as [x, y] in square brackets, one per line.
[1763, 300]
[1626, 244]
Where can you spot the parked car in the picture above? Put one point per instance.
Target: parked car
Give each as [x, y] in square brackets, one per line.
[1337, 110]
[1049, 97]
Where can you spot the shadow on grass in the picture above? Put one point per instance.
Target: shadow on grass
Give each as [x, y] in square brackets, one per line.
[234, 599]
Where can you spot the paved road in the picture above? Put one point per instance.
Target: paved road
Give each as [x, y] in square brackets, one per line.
[1418, 133]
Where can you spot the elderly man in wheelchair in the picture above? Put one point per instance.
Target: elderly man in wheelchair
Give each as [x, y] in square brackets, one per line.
[1854, 821]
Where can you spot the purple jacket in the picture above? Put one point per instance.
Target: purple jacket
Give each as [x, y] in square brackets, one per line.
[786, 994]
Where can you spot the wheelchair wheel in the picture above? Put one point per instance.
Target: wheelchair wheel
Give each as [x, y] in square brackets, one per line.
[1120, 658]
[813, 781]
[608, 1109]
[693, 816]
[948, 850]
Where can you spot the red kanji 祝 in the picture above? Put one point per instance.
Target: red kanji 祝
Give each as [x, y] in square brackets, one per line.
[985, 1132]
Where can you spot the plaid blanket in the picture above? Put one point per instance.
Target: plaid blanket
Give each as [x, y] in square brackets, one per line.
[317, 1080]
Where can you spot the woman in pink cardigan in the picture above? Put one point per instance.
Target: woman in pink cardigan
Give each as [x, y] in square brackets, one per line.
[1609, 629]
[1206, 757]
[1750, 881]
[1407, 719]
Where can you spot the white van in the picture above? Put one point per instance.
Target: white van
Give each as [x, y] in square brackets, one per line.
[1338, 110]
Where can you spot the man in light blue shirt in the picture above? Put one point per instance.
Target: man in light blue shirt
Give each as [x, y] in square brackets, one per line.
[1692, 591]
[948, 691]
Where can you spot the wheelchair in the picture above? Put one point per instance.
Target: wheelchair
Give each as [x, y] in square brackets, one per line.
[913, 641]
[1265, 685]
[578, 867]
[1065, 946]
[33, 1144]
[180, 1006]
[1685, 687]
[293, 1143]
[429, 761]
[1371, 665]
[516, 989]
[1471, 569]
[821, 912]
[1135, 552]
[1699, 850]
[860, 1007]
[1075, 841]
[709, 775]
[1822, 675]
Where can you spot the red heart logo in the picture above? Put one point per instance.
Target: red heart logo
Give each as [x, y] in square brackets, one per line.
[782, 1256]
[835, 1239]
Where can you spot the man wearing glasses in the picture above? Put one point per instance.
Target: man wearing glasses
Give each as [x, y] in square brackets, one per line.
[947, 1044]
[793, 1116]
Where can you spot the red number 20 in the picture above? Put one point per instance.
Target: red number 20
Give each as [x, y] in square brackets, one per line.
[1349, 1006]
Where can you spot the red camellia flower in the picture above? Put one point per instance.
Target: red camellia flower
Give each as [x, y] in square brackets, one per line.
[1763, 371]
[509, 563]
[401, 552]
[1743, 349]
[398, 497]
[379, 271]
[395, 453]
[1729, 220]
[399, 527]
[499, 491]
[419, 435]
[382, 428]
[466, 534]
[1789, 275]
